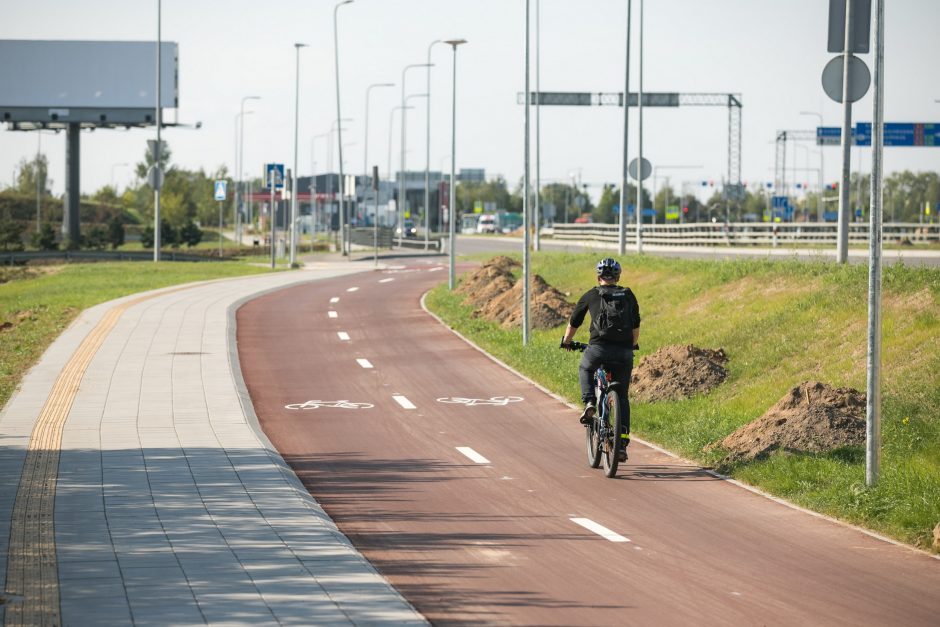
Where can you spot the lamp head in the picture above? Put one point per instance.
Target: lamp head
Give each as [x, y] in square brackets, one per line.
[455, 42]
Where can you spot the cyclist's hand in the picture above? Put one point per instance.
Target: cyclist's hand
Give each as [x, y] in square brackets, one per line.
[565, 345]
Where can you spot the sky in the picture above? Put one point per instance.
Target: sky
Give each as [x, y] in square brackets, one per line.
[771, 52]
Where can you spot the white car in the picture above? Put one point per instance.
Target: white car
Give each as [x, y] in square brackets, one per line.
[487, 224]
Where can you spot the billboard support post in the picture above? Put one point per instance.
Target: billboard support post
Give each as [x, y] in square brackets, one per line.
[70, 224]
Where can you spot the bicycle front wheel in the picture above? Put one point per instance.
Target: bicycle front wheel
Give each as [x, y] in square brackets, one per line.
[611, 440]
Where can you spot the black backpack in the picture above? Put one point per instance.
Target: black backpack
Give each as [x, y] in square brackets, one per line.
[614, 321]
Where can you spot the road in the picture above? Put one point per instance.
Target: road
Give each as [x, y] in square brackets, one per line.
[914, 257]
[488, 514]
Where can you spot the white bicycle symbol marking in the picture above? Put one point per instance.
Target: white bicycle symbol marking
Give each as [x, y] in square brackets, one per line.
[500, 401]
[341, 404]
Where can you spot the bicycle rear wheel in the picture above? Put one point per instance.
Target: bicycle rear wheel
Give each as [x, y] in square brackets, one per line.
[593, 443]
[611, 440]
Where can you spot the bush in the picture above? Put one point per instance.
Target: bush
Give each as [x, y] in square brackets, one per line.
[11, 234]
[45, 238]
[115, 233]
[190, 234]
[169, 236]
[96, 238]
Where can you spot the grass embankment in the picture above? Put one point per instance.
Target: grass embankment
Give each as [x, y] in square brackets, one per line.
[781, 323]
[37, 303]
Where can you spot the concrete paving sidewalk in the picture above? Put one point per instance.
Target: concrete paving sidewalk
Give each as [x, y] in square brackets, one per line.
[137, 488]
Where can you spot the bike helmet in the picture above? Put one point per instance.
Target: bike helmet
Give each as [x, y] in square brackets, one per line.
[608, 268]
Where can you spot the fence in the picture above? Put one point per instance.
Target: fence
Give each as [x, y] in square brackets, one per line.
[748, 233]
[12, 258]
[365, 237]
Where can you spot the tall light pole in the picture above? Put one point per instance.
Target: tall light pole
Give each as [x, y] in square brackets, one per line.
[427, 153]
[538, 130]
[391, 124]
[313, 177]
[822, 165]
[365, 150]
[293, 188]
[401, 183]
[339, 116]
[622, 231]
[526, 215]
[157, 175]
[639, 160]
[453, 43]
[240, 163]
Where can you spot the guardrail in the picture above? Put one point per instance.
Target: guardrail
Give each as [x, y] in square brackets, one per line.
[12, 258]
[749, 233]
[387, 239]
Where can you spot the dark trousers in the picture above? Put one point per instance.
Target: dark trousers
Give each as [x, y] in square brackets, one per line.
[617, 359]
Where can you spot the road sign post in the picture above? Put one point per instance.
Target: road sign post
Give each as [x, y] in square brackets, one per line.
[274, 177]
[220, 198]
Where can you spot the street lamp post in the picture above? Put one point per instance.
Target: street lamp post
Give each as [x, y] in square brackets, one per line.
[365, 150]
[240, 163]
[339, 116]
[639, 160]
[404, 117]
[427, 154]
[622, 231]
[391, 123]
[156, 162]
[538, 132]
[453, 43]
[293, 190]
[526, 209]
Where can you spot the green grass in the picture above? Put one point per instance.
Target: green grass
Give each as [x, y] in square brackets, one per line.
[781, 323]
[36, 304]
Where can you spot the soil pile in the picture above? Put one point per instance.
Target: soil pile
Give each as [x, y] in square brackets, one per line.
[678, 372]
[812, 417]
[495, 294]
[547, 306]
[487, 282]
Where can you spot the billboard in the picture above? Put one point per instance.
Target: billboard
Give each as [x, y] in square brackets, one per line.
[81, 81]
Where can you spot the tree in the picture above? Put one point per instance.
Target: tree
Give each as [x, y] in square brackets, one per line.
[604, 211]
[28, 171]
[190, 234]
[45, 238]
[115, 233]
[169, 236]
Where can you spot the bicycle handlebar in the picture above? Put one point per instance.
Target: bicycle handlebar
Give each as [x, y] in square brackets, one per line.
[580, 346]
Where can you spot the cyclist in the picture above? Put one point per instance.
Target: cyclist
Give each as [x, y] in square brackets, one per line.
[615, 333]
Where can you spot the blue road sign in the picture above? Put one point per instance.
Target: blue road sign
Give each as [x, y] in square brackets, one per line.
[274, 172]
[902, 134]
[832, 136]
[220, 190]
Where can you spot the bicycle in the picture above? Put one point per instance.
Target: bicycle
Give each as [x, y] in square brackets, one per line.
[602, 435]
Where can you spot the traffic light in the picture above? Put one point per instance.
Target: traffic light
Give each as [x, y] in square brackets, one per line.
[685, 210]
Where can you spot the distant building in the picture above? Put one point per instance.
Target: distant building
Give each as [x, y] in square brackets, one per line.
[472, 175]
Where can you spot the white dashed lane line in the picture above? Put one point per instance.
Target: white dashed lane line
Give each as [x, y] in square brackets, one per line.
[335, 299]
[343, 335]
[364, 363]
[404, 402]
[599, 529]
[332, 314]
[386, 280]
[473, 455]
[352, 289]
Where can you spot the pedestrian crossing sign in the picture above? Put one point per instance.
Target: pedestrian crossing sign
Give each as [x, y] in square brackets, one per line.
[220, 190]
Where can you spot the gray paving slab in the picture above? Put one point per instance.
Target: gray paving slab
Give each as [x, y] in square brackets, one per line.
[172, 507]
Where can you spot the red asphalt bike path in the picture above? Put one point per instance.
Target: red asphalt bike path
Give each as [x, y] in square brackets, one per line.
[516, 539]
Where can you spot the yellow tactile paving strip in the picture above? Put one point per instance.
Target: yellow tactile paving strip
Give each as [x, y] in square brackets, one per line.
[32, 567]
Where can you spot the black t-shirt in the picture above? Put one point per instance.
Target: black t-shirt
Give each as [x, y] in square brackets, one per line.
[591, 301]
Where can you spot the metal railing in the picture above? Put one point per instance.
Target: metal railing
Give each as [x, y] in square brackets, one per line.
[12, 258]
[748, 233]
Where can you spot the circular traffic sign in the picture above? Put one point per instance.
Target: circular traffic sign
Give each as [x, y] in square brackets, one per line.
[859, 79]
[647, 169]
[155, 177]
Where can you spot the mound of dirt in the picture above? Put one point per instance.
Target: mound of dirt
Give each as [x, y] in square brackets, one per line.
[812, 417]
[677, 372]
[487, 282]
[547, 306]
